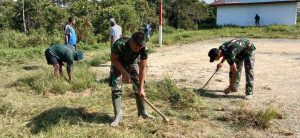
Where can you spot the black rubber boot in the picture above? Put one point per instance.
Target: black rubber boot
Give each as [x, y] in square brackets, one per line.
[118, 111]
[140, 103]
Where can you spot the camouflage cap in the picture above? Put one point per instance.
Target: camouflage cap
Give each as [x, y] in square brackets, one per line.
[139, 38]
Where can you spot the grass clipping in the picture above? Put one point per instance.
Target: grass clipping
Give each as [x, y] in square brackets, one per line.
[256, 119]
[166, 90]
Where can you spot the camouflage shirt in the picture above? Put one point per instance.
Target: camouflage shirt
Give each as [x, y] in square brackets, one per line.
[126, 55]
[236, 49]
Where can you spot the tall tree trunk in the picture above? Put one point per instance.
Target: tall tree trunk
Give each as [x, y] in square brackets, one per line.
[23, 14]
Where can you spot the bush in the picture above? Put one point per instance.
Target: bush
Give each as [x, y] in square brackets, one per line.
[35, 38]
[13, 39]
[125, 16]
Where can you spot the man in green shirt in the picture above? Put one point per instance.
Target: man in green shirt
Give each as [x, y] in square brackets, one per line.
[236, 52]
[58, 54]
[125, 53]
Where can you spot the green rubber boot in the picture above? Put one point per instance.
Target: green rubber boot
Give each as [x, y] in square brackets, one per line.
[140, 103]
[118, 111]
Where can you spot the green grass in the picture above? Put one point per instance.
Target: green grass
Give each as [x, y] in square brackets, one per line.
[13, 56]
[35, 104]
[172, 36]
[27, 114]
[100, 58]
[11, 53]
[43, 81]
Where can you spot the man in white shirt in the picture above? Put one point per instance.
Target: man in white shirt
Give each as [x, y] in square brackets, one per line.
[115, 32]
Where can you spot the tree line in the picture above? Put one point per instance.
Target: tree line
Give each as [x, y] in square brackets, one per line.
[92, 16]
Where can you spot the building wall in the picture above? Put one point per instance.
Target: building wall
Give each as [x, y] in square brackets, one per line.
[243, 15]
[249, 1]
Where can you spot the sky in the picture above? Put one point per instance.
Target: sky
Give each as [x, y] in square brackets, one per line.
[208, 1]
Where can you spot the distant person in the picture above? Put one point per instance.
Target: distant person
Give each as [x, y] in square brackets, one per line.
[115, 31]
[147, 31]
[236, 52]
[257, 19]
[70, 34]
[58, 54]
[124, 55]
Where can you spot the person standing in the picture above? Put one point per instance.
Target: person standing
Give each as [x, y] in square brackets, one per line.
[125, 53]
[257, 19]
[115, 31]
[57, 54]
[70, 34]
[236, 52]
[147, 31]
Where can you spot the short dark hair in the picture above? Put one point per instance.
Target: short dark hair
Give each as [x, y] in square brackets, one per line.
[139, 38]
[71, 18]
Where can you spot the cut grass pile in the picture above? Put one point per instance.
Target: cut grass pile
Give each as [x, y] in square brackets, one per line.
[257, 119]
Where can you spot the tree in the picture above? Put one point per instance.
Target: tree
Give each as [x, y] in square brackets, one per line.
[23, 17]
[6, 12]
[185, 14]
[29, 12]
[125, 15]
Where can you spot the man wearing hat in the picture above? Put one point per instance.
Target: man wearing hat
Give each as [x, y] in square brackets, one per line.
[58, 54]
[236, 52]
[115, 31]
[125, 53]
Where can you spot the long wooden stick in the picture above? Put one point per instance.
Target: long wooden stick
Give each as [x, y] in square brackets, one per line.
[150, 104]
[209, 79]
[155, 109]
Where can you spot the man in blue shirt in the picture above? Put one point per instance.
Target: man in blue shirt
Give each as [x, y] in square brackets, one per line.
[70, 34]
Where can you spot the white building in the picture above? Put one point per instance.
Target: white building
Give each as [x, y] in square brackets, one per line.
[242, 12]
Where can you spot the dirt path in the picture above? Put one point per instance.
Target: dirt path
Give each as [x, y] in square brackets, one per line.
[277, 75]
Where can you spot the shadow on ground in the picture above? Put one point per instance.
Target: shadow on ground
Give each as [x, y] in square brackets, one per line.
[28, 68]
[215, 94]
[53, 116]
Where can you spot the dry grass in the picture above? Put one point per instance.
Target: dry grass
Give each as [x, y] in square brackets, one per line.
[257, 119]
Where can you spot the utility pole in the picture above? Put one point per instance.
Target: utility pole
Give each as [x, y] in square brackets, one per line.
[160, 22]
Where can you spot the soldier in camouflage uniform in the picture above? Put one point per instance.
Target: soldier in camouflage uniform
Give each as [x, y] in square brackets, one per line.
[125, 53]
[236, 52]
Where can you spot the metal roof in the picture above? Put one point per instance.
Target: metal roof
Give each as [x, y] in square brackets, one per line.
[248, 2]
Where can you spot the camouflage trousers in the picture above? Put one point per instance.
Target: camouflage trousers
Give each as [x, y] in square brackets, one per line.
[116, 82]
[249, 61]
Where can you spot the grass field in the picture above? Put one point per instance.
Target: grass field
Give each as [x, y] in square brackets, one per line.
[35, 104]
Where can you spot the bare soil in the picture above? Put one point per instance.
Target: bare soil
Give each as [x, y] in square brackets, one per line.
[277, 80]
